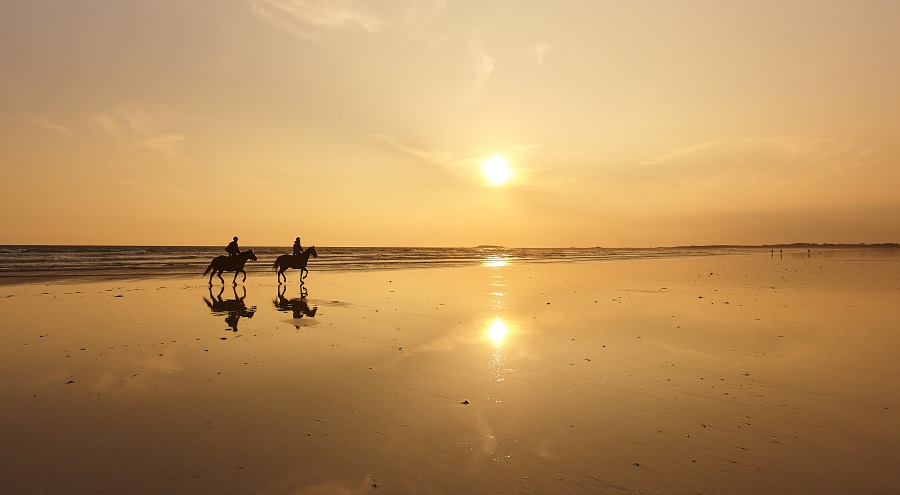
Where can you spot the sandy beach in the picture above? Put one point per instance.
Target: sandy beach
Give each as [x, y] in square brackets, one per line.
[716, 375]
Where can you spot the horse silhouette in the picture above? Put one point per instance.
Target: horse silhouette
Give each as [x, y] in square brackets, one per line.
[297, 307]
[233, 309]
[229, 264]
[299, 261]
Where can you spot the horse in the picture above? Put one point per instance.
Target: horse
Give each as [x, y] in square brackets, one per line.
[299, 261]
[229, 264]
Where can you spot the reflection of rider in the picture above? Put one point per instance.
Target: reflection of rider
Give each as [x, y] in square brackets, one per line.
[298, 249]
[232, 249]
[232, 320]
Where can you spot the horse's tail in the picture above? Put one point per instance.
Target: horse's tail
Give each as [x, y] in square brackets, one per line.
[208, 269]
[275, 265]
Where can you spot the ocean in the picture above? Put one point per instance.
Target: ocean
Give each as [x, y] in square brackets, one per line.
[24, 264]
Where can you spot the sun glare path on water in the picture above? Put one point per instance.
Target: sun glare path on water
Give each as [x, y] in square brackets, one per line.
[496, 170]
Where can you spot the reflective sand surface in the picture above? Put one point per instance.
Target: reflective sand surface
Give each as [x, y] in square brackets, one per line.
[726, 374]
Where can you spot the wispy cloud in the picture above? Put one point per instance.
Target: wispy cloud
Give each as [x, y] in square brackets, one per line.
[166, 144]
[47, 123]
[757, 156]
[478, 71]
[540, 52]
[143, 127]
[445, 159]
[315, 19]
[129, 118]
[468, 162]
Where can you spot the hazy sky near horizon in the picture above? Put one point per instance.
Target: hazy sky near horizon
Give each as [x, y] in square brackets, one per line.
[366, 123]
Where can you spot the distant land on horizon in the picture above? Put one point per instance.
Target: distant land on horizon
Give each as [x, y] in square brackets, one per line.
[893, 245]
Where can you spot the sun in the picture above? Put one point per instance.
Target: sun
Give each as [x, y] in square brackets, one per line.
[496, 170]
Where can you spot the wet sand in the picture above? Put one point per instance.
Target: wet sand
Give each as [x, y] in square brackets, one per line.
[725, 374]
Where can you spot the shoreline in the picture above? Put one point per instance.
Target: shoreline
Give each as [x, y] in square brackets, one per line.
[717, 374]
[13, 273]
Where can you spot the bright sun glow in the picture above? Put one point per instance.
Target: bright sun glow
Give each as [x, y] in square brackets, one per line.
[497, 331]
[496, 170]
[494, 261]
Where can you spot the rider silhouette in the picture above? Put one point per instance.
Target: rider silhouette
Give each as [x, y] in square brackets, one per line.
[232, 249]
[298, 249]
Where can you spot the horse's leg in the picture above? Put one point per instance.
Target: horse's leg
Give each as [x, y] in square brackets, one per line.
[245, 275]
[234, 281]
[219, 274]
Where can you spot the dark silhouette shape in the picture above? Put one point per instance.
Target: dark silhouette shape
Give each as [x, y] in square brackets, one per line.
[234, 264]
[298, 262]
[232, 248]
[233, 309]
[297, 307]
[298, 248]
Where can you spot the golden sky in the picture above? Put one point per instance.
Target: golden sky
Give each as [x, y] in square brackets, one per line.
[368, 123]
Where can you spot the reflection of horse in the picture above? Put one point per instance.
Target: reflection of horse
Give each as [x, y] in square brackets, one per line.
[229, 264]
[233, 309]
[299, 261]
[297, 307]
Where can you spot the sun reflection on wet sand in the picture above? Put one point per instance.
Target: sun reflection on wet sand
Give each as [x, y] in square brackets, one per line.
[495, 261]
[497, 331]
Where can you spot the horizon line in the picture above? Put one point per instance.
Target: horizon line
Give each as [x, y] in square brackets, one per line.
[497, 246]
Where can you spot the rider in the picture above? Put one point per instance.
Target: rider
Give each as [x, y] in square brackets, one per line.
[232, 249]
[298, 249]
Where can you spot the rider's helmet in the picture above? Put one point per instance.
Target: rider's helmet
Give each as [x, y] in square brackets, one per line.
[235, 237]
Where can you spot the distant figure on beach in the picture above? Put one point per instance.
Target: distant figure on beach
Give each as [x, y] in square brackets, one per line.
[298, 248]
[232, 248]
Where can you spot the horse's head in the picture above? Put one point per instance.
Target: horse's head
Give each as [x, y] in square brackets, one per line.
[312, 251]
[250, 254]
